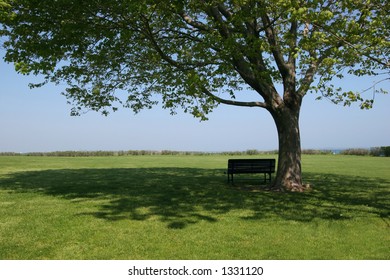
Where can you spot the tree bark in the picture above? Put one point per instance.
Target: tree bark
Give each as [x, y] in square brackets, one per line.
[289, 172]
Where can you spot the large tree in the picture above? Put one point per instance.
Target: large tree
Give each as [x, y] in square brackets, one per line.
[197, 54]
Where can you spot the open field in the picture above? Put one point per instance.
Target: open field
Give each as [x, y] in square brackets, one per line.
[181, 207]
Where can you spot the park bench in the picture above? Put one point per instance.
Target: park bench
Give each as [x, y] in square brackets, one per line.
[251, 166]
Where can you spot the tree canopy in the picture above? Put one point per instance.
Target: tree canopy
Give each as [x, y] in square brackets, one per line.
[196, 54]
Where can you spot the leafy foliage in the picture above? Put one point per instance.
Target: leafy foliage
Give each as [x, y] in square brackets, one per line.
[196, 54]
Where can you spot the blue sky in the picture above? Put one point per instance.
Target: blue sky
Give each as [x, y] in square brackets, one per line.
[39, 120]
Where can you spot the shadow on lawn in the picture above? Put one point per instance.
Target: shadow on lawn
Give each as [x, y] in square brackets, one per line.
[183, 196]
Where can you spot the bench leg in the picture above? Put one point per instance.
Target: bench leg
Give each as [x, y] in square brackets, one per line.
[230, 176]
[267, 178]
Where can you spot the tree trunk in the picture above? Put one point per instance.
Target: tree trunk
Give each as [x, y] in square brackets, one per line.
[289, 173]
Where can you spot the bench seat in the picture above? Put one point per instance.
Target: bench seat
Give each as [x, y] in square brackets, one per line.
[251, 166]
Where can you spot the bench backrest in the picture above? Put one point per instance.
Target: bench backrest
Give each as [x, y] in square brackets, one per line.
[254, 165]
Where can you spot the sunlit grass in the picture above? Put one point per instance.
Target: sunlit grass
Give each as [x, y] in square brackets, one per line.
[181, 207]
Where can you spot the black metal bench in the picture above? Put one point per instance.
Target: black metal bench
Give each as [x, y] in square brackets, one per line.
[251, 166]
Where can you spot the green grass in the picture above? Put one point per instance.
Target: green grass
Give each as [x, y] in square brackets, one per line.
[180, 207]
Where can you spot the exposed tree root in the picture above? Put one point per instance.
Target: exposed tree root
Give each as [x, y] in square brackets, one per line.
[290, 188]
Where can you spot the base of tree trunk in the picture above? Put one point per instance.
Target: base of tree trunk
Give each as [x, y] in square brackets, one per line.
[290, 188]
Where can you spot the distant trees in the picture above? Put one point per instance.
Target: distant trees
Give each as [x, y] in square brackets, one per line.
[375, 151]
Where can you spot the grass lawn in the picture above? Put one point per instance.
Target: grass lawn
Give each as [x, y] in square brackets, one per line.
[181, 207]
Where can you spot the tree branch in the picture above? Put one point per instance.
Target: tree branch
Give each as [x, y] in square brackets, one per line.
[293, 43]
[233, 102]
[308, 79]
[196, 24]
[272, 40]
[223, 28]
[227, 14]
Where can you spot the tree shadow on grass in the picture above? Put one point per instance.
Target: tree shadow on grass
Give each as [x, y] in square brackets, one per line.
[180, 197]
[333, 197]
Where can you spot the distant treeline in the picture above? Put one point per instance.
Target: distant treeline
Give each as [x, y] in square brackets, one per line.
[132, 153]
[376, 151]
